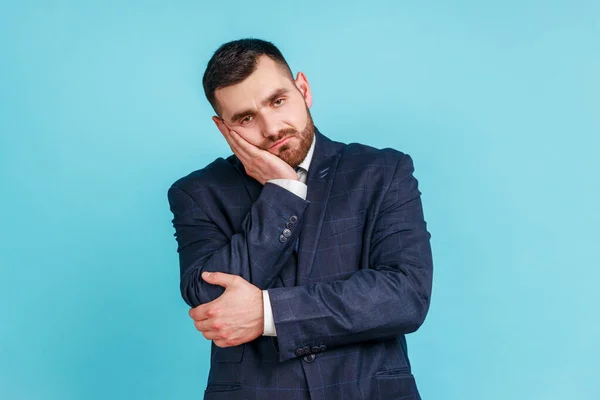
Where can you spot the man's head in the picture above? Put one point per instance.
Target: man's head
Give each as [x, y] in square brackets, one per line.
[252, 90]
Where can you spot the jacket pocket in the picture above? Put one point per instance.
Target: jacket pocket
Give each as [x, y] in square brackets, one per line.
[222, 387]
[393, 372]
[397, 384]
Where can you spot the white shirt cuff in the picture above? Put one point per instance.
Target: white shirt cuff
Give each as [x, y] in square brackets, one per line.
[269, 325]
[294, 186]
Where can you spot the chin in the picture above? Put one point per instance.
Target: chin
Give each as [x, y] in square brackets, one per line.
[291, 156]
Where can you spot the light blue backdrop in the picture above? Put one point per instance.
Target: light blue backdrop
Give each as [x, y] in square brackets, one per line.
[101, 109]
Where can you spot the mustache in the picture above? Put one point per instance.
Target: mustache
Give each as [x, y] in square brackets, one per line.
[282, 134]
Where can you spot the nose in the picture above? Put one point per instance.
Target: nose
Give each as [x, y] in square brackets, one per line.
[270, 126]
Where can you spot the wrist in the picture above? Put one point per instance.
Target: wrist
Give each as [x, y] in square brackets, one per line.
[261, 307]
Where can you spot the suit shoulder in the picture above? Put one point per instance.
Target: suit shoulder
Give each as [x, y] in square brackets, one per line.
[366, 154]
[217, 172]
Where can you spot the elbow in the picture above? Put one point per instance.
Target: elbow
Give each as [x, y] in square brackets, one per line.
[417, 303]
[189, 291]
[417, 309]
[416, 320]
[195, 291]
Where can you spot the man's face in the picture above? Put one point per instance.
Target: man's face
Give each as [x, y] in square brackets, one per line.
[270, 110]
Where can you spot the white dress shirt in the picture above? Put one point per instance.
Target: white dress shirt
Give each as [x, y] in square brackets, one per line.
[299, 188]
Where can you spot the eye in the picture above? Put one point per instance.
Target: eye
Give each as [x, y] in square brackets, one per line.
[246, 119]
[279, 102]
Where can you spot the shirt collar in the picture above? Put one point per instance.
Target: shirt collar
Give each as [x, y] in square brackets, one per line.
[306, 162]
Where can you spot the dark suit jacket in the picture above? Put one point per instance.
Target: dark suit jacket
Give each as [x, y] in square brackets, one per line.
[360, 281]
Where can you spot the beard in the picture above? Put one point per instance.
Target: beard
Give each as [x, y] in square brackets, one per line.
[294, 155]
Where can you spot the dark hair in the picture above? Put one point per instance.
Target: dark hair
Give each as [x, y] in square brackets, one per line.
[235, 61]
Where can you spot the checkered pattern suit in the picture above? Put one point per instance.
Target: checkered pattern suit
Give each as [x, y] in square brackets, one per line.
[360, 280]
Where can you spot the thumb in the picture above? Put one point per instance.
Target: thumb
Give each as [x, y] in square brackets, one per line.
[218, 278]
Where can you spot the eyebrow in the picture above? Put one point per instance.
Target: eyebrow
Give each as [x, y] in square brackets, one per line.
[271, 98]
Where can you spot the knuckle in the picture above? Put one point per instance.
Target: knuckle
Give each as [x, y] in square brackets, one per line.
[211, 312]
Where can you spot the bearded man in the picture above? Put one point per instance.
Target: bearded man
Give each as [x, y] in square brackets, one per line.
[306, 261]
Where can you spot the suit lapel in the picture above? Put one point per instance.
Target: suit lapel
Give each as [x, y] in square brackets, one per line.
[319, 181]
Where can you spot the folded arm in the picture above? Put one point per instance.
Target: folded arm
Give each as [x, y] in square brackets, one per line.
[387, 299]
[255, 253]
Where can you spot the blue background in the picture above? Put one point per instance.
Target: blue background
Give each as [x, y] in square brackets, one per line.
[101, 109]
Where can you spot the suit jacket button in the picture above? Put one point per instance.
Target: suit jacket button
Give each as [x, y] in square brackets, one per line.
[283, 239]
[289, 225]
[309, 358]
[293, 219]
[287, 233]
[306, 350]
[323, 347]
[316, 349]
[299, 352]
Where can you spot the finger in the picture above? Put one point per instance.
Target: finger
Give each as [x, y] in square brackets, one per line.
[242, 148]
[224, 131]
[201, 312]
[202, 325]
[207, 326]
[219, 278]
[248, 148]
[222, 343]
[211, 335]
[229, 134]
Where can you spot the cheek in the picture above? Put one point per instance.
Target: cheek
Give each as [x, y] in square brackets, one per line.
[296, 115]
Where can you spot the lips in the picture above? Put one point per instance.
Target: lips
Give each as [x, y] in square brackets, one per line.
[276, 144]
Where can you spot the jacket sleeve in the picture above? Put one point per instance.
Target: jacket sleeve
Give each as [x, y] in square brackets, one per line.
[257, 252]
[389, 298]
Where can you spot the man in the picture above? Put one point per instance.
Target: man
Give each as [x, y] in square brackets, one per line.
[304, 260]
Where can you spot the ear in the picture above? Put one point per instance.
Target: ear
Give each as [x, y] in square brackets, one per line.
[304, 88]
[220, 125]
